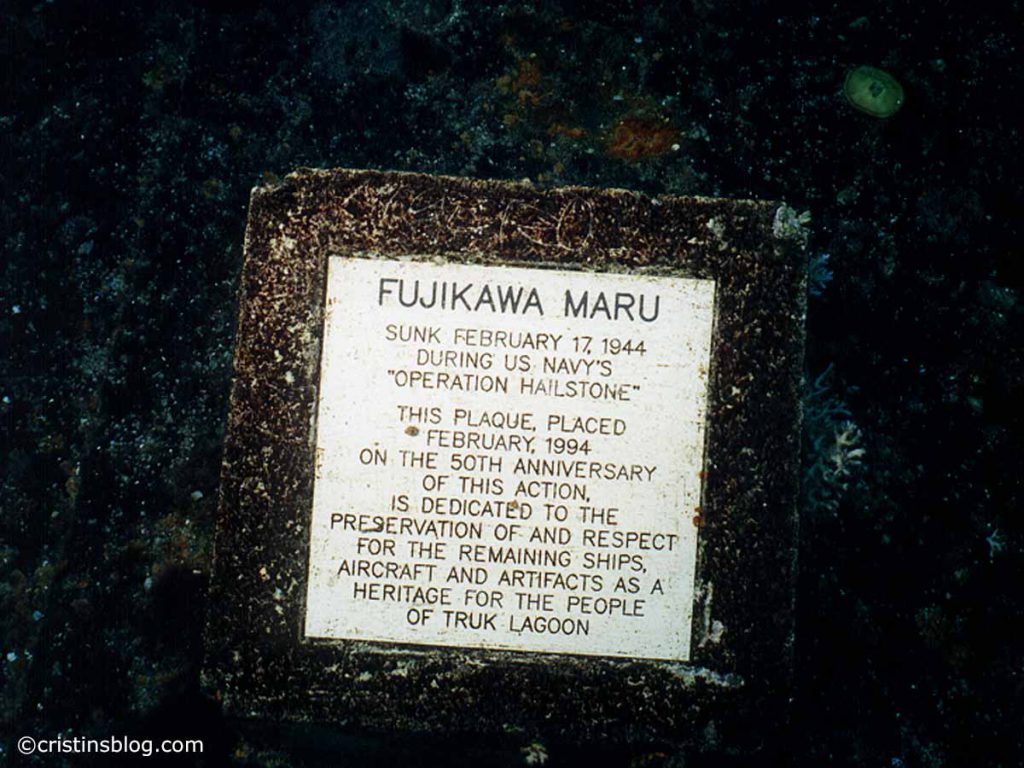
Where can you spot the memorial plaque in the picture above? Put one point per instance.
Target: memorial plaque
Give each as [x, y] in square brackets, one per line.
[525, 454]
[495, 468]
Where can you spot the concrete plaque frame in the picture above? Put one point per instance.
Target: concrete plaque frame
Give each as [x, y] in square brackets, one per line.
[736, 683]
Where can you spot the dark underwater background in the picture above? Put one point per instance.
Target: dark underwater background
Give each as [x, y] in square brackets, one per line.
[131, 134]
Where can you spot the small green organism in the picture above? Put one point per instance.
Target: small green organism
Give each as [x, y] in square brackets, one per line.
[873, 91]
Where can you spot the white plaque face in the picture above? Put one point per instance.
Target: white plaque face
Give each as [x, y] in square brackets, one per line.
[509, 458]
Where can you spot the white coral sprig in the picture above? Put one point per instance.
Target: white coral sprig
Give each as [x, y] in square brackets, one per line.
[846, 453]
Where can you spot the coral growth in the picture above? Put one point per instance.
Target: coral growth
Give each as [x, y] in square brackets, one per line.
[636, 138]
[524, 83]
[834, 454]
